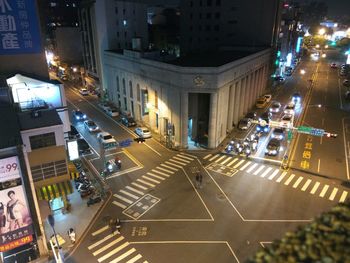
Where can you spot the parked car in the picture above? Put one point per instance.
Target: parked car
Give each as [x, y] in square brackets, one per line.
[84, 91]
[268, 97]
[251, 115]
[73, 133]
[261, 103]
[143, 132]
[287, 120]
[266, 116]
[79, 115]
[104, 106]
[273, 147]
[278, 133]
[91, 126]
[83, 146]
[290, 108]
[244, 124]
[275, 107]
[346, 83]
[113, 112]
[106, 139]
[128, 121]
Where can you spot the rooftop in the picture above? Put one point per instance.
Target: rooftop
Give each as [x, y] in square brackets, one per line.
[45, 118]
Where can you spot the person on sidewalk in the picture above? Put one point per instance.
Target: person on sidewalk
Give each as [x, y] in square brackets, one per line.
[199, 179]
[71, 234]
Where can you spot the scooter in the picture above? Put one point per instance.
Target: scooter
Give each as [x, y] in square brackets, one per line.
[94, 200]
[118, 163]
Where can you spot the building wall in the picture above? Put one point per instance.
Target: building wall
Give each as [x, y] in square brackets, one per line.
[173, 85]
[68, 45]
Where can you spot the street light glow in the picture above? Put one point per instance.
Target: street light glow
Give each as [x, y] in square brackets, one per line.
[317, 46]
[326, 46]
[302, 71]
[321, 31]
[324, 55]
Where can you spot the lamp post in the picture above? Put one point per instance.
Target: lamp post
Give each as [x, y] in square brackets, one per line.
[60, 257]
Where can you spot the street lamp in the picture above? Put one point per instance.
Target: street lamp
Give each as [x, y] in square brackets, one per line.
[317, 46]
[324, 55]
[302, 71]
[326, 46]
[321, 31]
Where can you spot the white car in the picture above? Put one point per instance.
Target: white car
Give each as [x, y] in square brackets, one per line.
[112, 112]
[290, 108]
[106, 138]
[268, 97]
[84, 91]
[103, 106]
[287, 120]
[275, 107]
[91, 126]
[143, 132]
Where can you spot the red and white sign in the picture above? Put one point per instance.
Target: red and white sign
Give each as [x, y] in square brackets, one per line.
[9, 169]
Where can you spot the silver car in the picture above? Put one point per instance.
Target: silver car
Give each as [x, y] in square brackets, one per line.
[143, 132]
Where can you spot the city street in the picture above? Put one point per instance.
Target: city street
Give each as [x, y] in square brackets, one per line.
[242, 204]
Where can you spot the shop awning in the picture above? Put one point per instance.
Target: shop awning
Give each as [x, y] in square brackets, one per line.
[52, 191]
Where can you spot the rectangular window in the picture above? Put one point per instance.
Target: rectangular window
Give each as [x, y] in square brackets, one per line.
[216, 27]
[191, 15]
[191, 3]
[232, 22]
[125, 104]
[116, 10]
[48, 170]
[217, 15]
[138, 90]
[42, 140]
[131, 91]
[156, 99]
[132, 108]
[218, 2]
[124, 11]
[207, 28]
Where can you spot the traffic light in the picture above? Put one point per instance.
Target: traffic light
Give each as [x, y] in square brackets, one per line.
[139, 140]
[331, 135]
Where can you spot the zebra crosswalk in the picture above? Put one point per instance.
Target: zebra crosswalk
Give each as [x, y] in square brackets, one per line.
[112, 247]
[271, 173]
[138, 188]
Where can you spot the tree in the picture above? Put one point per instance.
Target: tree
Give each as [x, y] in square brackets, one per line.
[326, 240]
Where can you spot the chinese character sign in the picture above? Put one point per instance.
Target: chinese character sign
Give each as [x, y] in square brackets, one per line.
[19, 27]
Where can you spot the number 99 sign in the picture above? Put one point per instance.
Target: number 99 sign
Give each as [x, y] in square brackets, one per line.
[9, 168]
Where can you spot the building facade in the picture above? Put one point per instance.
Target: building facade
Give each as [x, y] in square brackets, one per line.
[181, 100]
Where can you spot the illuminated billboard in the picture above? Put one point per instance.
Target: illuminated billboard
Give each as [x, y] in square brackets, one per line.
[9, 169]
[73, 151]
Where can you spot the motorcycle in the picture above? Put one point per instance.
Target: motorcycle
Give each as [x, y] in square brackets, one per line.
[118, 163]
[87, 192]
[94, 200]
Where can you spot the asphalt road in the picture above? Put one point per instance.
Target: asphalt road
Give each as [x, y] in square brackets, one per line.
[241, 205]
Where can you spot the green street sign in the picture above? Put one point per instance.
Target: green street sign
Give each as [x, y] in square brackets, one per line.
[304, 129]
[290, 135]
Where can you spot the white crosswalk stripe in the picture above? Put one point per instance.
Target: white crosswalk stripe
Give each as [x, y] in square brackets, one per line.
[207, 156]
[290, 178]
[343, 197]
[114, 251]
[238, 164]
[218, 160]
[333, 194]
[281, 177]
[245, 166]
[186, 156]
[158, 172]
[123, 198]
[139, 186]
[165, 170]
[135, 190]
[324, 190]
[173, 164]
[214, 157]
[259, 169]
[129, 194]
[226, 160]
[274, 174]
[121, 257]
[110, 244]
[146, 183]
[178, 162]
[171, 168]
[156, 176]
[151, 179]
[181, 159]
[101, 241]
[297, 182]
[251, 168]
[232, 162]
[306, 185]
[266, 172]
[99, 231]
[134, 259]
[314, 189]
[119, 204]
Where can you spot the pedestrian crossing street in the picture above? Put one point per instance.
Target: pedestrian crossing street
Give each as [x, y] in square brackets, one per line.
[280, 176]
[136, 190]
[113, 248]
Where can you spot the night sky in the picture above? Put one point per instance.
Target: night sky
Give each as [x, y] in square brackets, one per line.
[336, 7]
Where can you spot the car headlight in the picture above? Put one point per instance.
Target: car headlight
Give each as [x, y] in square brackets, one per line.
[270, 109]
[273, 136]
[90, 129]
[97, 128]
[274, 152]
[258, 128]
[266, 150]
[77, 117]
[266, 129]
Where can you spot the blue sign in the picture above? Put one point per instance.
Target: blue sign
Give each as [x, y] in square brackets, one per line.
[19, 27]
[317, 132]
[297, 49]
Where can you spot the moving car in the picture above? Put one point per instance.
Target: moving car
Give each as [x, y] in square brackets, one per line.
[277, 133]
[346, 83]
[128, 121]
[91, 126]
[106, 139]
[266, 116]
[287, 121]
[143, 132]
[334, 65]
[244, 124]
[79, 115]
[275, 107]
[261, 103]
[296, 98]
[273, 147]
[260, 128]
[103, 106]
[113, 112]
[290, 108]
[84, 91]
[279, 78]
[83, 146]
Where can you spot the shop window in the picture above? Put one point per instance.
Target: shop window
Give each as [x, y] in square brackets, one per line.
[118, 87]
[125, 104]
[42, 140]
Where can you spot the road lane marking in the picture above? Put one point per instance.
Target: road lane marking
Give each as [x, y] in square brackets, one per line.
[135, 190]
[259, 169]
[156, 176]
[113, 252]
[119, 204]
[343, 197]
[101, 241]
[290, 178]
[333, 194]
[99, 231]
[297, 182]
[139, 186]
[165, 170]
[324, 190]
[178, 162]
[158, 172]
[318, 165]
[129, 194]
[123, 198]
[167, 166]
[104, 248]
[180, 159]
[121, 257]
[238, 164]
[152, 149]
[134, 259]
[214, 157]
[306, 185]
[245, 166]
[173, 164]
[233, 161]
[279, 179]
[314, 189]
[146, 183]
[189, 156]
[266, 172]
[222, 157]
[227, 159]
[182, 155]
[274, 174]
[150, 179]
[252, 167]
[207, 156]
